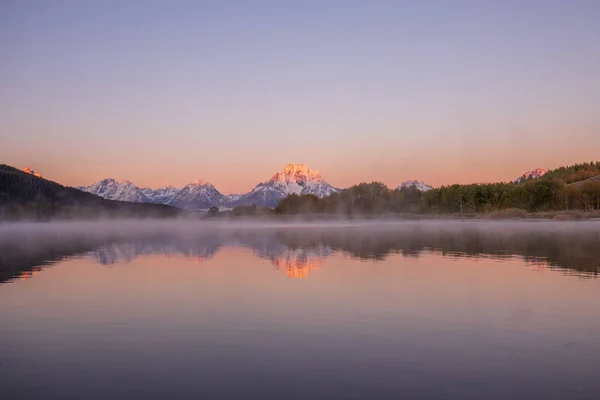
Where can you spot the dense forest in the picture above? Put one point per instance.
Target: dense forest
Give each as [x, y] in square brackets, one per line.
[27, 197]
[576, 187]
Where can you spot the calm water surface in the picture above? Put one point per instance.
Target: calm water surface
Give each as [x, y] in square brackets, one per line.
[356, 311]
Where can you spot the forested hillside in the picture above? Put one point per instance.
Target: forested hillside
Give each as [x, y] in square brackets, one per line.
[575, 173]
[556, 191]
[25, 196]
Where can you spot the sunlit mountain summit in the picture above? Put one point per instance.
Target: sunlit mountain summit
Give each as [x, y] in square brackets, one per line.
[533, 174]
[28, 170]
[294, 179]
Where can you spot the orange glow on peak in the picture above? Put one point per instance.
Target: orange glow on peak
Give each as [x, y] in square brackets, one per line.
[28, 170]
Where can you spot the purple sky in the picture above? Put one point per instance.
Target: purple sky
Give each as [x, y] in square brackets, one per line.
[166, 92]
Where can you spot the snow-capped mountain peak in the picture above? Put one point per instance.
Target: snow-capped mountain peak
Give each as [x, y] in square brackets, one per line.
[298, 173]
[533, 174]
[197, 195]
[423, 187]
[294, 178]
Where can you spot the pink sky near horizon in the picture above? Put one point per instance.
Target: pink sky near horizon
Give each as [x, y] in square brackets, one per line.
[230, 180]
[165, 93]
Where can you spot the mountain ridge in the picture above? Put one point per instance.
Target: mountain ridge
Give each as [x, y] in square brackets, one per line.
[110, 189]
[161, 195]
[294, 178]
[198, 195]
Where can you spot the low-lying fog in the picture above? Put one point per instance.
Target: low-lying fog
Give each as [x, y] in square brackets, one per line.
[62, 229]
[567, 244]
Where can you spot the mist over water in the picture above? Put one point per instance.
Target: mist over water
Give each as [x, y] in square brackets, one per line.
[373, 309]
[570, 245]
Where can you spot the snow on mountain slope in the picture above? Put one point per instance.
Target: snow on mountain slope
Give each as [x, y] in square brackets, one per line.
[533, 174]
[423, 187]
[198, 195]
[295, 178]
[113, 190]
[230, 198]
[161, 195]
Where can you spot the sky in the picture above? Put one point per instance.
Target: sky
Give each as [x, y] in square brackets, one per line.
[167, 92]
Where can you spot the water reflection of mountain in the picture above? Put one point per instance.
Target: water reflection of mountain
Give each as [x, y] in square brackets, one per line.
[298, 263]
[299, 251]
[115, 253]
[294, 262]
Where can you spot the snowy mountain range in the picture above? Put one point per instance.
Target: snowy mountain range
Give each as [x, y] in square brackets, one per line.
[199, 195]
[295, 178]
[423, 187]
[533, 174]
[113, 190]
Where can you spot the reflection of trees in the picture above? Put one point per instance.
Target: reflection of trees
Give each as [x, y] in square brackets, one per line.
[297, 252]
[20, 255]
[16, 260]
[568, 249]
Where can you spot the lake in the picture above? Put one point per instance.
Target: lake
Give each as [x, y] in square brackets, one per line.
[340, 310]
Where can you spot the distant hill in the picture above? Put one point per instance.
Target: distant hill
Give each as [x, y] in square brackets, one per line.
[574, 173]
[26, 196]
[593, 180]
[569, 174]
